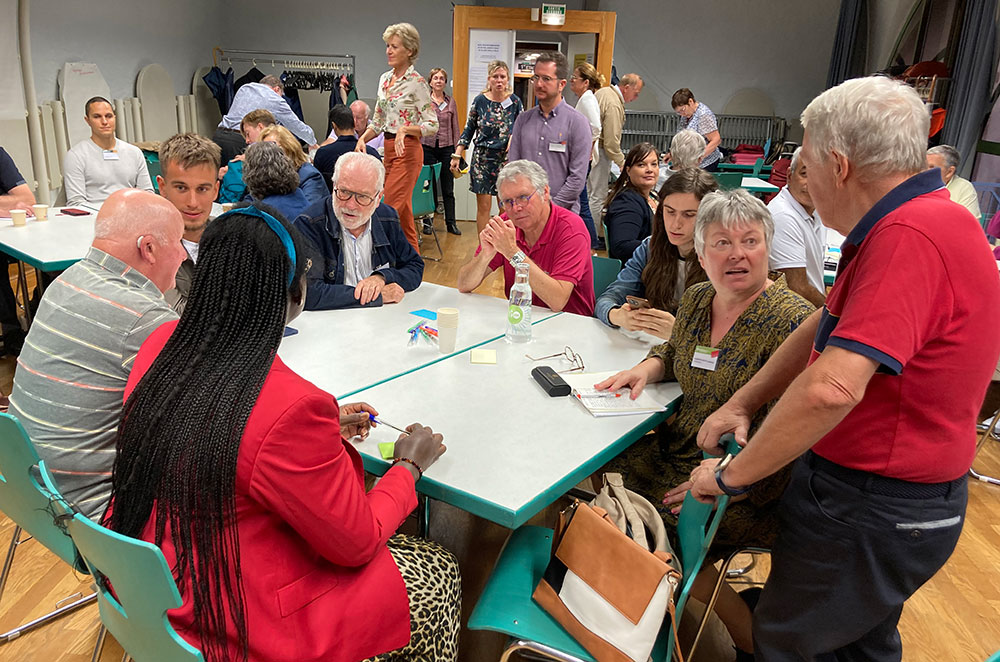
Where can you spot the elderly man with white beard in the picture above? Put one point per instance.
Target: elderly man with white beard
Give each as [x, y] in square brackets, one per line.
[363, 258]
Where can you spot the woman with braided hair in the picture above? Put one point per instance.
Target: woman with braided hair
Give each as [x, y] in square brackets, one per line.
[238, 469]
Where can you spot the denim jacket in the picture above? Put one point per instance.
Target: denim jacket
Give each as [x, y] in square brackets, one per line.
[629, 282]
[392, 256]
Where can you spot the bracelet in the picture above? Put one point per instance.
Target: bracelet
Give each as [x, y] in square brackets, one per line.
[408, 460]
[456, 156]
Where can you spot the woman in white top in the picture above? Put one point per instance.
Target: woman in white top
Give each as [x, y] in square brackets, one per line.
[583, 83]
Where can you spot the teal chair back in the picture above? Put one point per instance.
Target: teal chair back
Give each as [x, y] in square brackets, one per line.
[423, 191]
[144, 589]
[153, 167]
[729, 180]
[605, 272]
[23, 496]
[758, 164]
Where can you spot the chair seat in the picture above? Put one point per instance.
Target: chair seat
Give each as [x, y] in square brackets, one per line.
[506, 605]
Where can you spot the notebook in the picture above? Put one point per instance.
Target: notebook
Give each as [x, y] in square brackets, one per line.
[608, 403]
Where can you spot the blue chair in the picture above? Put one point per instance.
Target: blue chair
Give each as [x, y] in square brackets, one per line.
[423, 203]
[28, 503]
[506, 606]
[994, 658]
[605, 272]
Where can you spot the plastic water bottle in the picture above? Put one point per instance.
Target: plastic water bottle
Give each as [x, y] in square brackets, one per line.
[519, 308]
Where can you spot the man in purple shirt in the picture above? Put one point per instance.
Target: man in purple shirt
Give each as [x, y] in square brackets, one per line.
[553, 134]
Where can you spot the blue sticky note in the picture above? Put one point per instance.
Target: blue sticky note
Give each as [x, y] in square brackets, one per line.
[289, 331]
[428, 314]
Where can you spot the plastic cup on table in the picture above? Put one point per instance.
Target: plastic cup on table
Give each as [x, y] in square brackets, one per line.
[19, 217]
[447, 327]
[41, 212]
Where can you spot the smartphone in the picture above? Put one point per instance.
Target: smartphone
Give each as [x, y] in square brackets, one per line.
[72, 211]
[637, 302]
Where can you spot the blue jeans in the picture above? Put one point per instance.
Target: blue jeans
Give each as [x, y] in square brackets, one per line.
[588, 220]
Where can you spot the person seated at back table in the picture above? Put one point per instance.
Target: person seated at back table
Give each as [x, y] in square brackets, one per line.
[664, 265]
[686, 148]
[272, 180]
[630, 202]
[310, 181]
[947, 159]
[14, 194]
[550, 239]
[241, 472]
[100, 165]
[744, 313]
[343, 122]
[233, 189]
[366, 259]
[80, 348]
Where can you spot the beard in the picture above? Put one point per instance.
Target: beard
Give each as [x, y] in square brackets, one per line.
[347, 220]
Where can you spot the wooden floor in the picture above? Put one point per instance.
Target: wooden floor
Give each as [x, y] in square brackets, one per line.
[954, 618]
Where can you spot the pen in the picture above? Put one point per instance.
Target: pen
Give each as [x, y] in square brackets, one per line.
[372, 418]
[600, 394]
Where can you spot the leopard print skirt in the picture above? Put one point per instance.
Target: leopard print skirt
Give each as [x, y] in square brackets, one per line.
[433, 585]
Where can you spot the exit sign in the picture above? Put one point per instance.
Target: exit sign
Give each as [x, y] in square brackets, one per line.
[553, 14]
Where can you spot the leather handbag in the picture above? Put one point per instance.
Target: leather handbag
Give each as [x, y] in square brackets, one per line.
[611, 593]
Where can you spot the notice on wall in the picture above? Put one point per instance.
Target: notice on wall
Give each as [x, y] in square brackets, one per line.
[484, 47]
[487, 51]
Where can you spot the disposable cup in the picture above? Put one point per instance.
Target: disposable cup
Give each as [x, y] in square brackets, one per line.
[41, 212]
[19, 216]
[447, 317]
[447, 335]
[227, 206]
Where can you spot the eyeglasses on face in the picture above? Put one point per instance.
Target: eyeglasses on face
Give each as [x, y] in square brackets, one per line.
[568, 354]
[520, 201]
[545, 79]
[344, 195]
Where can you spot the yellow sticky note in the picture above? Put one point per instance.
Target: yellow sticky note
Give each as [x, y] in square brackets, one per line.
[487, 356]
[387, 449]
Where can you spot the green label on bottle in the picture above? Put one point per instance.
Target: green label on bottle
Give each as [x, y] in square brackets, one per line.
[515, 315]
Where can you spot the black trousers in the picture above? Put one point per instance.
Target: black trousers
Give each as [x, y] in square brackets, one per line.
[231, 143]
[852, 548]
[442, 155]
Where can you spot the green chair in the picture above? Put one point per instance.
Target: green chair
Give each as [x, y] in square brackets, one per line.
[506, 606]
[729, 180]
[605, 272]
[28, 503]
[994, 658]
[423, 203]
[758, 164]
[153, 167]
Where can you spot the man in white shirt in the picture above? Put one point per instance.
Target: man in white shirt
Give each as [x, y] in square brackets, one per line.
[961, 190]
[799, 243]
[100, 165]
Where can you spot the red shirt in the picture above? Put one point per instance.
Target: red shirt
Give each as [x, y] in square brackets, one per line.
[917, 291]
[563, 252]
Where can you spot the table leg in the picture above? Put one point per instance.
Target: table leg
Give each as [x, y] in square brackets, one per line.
[22, 284]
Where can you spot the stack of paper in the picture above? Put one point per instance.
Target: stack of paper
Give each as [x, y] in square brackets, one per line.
[609, 403]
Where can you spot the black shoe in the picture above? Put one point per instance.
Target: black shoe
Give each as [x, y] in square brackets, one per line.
[453, 228]
[743, 656]
[599, 245]
[428, 229]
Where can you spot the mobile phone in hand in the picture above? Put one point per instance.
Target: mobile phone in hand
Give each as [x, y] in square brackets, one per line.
[637, 303]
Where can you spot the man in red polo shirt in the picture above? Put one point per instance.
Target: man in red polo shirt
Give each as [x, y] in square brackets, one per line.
[553, 241]
[881, 388]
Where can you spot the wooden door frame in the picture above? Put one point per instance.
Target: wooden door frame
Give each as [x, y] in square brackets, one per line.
[469, 17]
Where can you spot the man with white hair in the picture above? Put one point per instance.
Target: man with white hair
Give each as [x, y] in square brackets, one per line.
[364, 257]
[880, 389]
[611, 101]
[533, 230]
[947, 159]
[79, 351]
[799, 245]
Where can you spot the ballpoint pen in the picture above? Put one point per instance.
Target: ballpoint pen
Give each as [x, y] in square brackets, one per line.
[377, 421]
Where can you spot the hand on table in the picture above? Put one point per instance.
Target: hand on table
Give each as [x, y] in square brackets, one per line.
[392, 293]
[704, 487]
[368, 289]
[502, 235]
[422, 445]
[635, 378]
[354, 419]
[727, 418]
[654, 321]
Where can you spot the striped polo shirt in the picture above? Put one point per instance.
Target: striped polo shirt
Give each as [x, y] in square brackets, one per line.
[71, 374]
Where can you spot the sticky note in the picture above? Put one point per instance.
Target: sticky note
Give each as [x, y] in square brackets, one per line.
[487, 356]
[423, 312]
[387, 449]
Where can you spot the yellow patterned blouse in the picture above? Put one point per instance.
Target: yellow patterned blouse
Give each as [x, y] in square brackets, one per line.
[405, 103]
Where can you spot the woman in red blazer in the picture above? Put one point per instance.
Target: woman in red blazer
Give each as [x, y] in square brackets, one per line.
[236, 467]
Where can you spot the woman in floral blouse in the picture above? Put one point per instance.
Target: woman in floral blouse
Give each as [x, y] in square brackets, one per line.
[403, 110]
[741, 316]
[492, 116]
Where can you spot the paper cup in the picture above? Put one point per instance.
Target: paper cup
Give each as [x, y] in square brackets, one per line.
[41, 212]
[447, 317]
[19, 216]
[447, 335]
[227, 206]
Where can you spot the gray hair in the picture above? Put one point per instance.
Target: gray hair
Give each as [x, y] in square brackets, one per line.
[361, 160]
[408, 36]
[731, 209]
[952, 157]
[523, 168]
[686, 149]
[267, 171]
[359, 103]
[878, 124]
[794, 165]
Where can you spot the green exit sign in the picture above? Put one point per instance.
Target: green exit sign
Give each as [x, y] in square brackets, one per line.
[553, 14]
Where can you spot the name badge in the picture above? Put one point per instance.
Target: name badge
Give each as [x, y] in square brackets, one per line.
[557, 147]
[110, 155]
[506, 103]
[705, 358]
[443, 105]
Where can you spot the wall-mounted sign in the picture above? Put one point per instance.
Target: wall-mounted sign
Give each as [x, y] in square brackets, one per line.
[553, 14]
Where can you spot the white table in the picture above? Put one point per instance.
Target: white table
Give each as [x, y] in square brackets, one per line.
[345, 351]
[512, 450]
[50, 245]
[758, 185]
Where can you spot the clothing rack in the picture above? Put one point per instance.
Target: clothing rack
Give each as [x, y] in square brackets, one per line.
[340, 63]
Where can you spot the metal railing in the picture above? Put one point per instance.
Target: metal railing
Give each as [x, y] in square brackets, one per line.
[659, 127]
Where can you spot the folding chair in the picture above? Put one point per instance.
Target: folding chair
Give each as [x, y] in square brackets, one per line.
[506, 605]
[605, 272]
[985, 434]
[423, 203]
[27, 502]
[729, 181]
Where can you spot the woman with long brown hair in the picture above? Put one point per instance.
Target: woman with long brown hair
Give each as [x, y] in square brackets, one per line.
[631, 202]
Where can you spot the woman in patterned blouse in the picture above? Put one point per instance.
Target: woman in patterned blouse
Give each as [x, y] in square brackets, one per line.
[741, 315]
[492, 116]
[403, 110]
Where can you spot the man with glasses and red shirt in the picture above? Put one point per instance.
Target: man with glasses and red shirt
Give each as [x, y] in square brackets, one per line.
[365, 258]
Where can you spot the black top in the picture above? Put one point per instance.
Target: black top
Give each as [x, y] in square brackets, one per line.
[9, 175]
[629, 220]
[327, 155]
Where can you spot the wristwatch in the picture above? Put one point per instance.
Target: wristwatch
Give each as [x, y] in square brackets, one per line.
[731, 491]
[517, 258]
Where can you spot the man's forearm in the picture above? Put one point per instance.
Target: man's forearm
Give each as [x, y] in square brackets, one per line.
[555, 293]
[473, 273]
